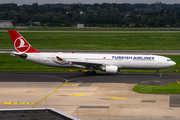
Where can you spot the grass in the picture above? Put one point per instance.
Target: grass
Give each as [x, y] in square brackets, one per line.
[92, 29]
[9, 63]
[97, 41]
[87, 41]
[171, 88]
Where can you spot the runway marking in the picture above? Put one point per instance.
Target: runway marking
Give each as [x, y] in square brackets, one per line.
[15, 103]
[73, 95]
[115, 98]
[71, 85]
[48, 89]
[37, 103]
[7, 102]
[45, 97]
[74, 85]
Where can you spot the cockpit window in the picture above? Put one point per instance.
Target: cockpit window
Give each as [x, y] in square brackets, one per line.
[169, 60]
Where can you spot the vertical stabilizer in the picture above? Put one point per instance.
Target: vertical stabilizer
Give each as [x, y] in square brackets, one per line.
[20, 44]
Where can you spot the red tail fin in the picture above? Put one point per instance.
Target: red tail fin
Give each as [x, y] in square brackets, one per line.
[20, 44]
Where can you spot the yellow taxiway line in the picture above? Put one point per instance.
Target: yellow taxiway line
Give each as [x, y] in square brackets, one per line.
[45, 97]
[15, 103]
[71, 85]
[37, 103]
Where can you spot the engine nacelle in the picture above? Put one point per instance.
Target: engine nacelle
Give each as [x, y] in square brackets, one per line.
[110, 69]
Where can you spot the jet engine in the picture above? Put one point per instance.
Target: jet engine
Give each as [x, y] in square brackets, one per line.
[110, 69]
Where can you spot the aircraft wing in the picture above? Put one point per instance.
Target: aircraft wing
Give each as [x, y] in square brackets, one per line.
[87, 64]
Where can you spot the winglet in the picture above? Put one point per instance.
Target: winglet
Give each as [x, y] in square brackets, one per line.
[20, 44]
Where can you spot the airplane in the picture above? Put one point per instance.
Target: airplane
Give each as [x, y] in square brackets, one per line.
[110, 63]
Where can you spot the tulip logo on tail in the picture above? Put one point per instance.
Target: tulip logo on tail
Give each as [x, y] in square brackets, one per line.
[21, 45]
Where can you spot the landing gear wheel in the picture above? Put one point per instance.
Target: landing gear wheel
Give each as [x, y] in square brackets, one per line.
[93, 73]
[86, 73]
[90, 73]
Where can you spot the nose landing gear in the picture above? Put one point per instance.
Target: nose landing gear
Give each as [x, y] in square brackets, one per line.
[157, 74]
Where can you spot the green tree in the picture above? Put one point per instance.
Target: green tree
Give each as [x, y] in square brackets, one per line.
[127, 24]
[151, 23]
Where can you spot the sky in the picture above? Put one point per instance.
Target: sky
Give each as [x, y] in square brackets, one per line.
[21, 2]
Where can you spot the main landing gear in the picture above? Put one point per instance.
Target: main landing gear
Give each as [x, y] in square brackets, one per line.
[90, 73]
[157, 74]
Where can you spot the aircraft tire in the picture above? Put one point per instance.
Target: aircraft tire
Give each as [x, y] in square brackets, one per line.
[90, 73]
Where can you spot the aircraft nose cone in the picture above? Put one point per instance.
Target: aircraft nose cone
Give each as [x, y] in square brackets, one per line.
[173, 63]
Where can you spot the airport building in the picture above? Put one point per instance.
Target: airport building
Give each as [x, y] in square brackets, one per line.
[6, 23]
[80, 25]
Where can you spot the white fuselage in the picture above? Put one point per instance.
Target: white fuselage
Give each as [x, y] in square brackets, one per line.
[122, 61]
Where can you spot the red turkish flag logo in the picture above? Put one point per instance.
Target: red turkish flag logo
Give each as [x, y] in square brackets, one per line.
[21, 45]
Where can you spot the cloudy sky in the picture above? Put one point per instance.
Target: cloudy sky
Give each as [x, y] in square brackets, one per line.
[20, 2]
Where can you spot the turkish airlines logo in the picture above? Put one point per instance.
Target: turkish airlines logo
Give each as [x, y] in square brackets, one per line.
[21, 45]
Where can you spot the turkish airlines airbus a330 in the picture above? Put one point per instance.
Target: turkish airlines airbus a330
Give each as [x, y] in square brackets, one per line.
[110, 63]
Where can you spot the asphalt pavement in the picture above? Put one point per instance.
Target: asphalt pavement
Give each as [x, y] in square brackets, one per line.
[133, 78]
